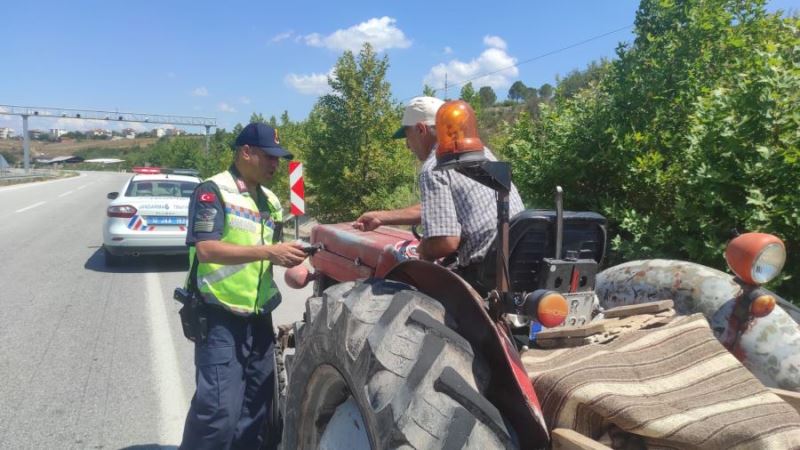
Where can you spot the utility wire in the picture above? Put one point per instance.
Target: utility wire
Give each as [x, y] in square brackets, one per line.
[526, 61]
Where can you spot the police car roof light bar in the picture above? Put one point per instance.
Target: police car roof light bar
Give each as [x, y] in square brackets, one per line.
[161, 170]
[147, 170]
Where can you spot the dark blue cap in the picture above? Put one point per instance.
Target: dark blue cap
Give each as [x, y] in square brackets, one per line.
[264, 137]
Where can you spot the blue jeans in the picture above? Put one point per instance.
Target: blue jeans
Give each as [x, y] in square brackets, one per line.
[235, 376]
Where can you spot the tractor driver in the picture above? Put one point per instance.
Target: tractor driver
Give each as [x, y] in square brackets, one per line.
[458, 215]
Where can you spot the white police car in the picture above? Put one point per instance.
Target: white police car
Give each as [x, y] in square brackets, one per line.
[149, 215]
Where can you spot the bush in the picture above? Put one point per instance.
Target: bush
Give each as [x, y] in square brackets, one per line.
[692, 132]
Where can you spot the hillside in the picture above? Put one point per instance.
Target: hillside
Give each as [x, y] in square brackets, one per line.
[43, 149]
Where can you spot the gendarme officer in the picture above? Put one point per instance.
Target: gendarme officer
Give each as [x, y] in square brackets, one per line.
[234, 238]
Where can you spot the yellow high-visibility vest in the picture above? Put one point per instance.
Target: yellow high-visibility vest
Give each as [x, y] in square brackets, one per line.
[243, 289]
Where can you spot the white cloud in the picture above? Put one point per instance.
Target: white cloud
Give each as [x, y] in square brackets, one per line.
[244, 100]
[493, 61]
[281, 36]
[89, 124]
[448, 51]
[200, 92]
[313, 84]
[224, 107]
[137, 126]
[380, 32]
[494, 42]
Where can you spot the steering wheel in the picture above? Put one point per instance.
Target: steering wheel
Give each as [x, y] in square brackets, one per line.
[415, 231]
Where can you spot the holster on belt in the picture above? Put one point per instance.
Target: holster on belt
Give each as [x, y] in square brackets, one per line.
[193, 315]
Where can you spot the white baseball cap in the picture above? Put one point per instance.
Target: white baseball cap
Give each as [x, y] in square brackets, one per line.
[419, 109]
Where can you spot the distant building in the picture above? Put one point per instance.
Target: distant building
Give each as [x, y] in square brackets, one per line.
[158, 132]
[36, 134]
[6, 133]
[175, 132]
[56, 133]
[99, 132]
[129, 133]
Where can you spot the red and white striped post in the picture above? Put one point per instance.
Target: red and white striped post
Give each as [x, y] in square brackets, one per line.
[296, 194]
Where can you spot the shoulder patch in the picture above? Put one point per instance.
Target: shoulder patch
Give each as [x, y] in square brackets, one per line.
[204, 220]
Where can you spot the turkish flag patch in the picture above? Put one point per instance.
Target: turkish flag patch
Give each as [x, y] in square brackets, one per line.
[208, 197]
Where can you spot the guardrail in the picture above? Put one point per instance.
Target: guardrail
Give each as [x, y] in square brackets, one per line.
[20, 173]
[304, 227]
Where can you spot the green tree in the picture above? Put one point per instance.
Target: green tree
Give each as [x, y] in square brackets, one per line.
[517, 91]
[220, 153]
[487, 95]
[469, 95]
[428, 91]
[257, 118]
[576, 80]
[674, 140]
[353, 162]
[546, 91]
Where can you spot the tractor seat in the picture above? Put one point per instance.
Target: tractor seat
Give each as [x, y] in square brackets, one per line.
[532, 237]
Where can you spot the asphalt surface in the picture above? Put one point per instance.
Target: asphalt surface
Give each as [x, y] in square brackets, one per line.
[90, 357]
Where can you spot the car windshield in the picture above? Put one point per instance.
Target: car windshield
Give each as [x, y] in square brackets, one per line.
[160, 188]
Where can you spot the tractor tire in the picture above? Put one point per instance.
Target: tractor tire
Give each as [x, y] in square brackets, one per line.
[384, 347]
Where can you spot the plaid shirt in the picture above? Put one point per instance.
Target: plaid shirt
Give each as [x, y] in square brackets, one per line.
[454, 205]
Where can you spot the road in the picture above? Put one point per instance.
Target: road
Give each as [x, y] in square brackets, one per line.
[90, 357]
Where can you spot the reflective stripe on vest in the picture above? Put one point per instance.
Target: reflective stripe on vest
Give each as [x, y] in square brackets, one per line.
[243, 289]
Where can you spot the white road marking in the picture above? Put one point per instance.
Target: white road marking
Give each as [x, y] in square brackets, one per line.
[65, 193]
[30, 207]
[81, 187]
[172, 398]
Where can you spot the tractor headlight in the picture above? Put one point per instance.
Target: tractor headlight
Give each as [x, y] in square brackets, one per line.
[756, 258]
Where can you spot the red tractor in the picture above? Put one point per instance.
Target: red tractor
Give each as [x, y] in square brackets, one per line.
[395, 352]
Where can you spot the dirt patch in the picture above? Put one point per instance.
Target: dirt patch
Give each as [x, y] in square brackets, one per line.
[52, 149]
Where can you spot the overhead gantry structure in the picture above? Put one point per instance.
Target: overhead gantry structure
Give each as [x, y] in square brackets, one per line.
[110, 116]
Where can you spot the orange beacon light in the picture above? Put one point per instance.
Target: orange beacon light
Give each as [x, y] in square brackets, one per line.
[457, 136]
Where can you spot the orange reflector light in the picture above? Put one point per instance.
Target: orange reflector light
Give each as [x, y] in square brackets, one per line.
[552, 310]
[762, 305]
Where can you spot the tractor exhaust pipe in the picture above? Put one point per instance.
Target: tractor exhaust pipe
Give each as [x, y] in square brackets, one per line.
[559, 220]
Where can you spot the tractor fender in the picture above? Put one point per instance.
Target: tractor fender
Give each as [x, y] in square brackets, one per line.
[510, 389]
[768, 346]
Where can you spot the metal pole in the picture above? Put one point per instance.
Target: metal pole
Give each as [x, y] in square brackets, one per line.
[26, 144]
[208, 137]
[296, 227]
[559, 220]
[502, 277]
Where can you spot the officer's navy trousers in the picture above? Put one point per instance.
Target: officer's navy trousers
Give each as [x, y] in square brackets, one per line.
[235, 375]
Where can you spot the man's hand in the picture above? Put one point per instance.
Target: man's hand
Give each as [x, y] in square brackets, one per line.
[368, 221]
[286, 254]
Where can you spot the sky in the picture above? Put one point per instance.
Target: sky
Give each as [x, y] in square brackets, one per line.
[228, 60]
